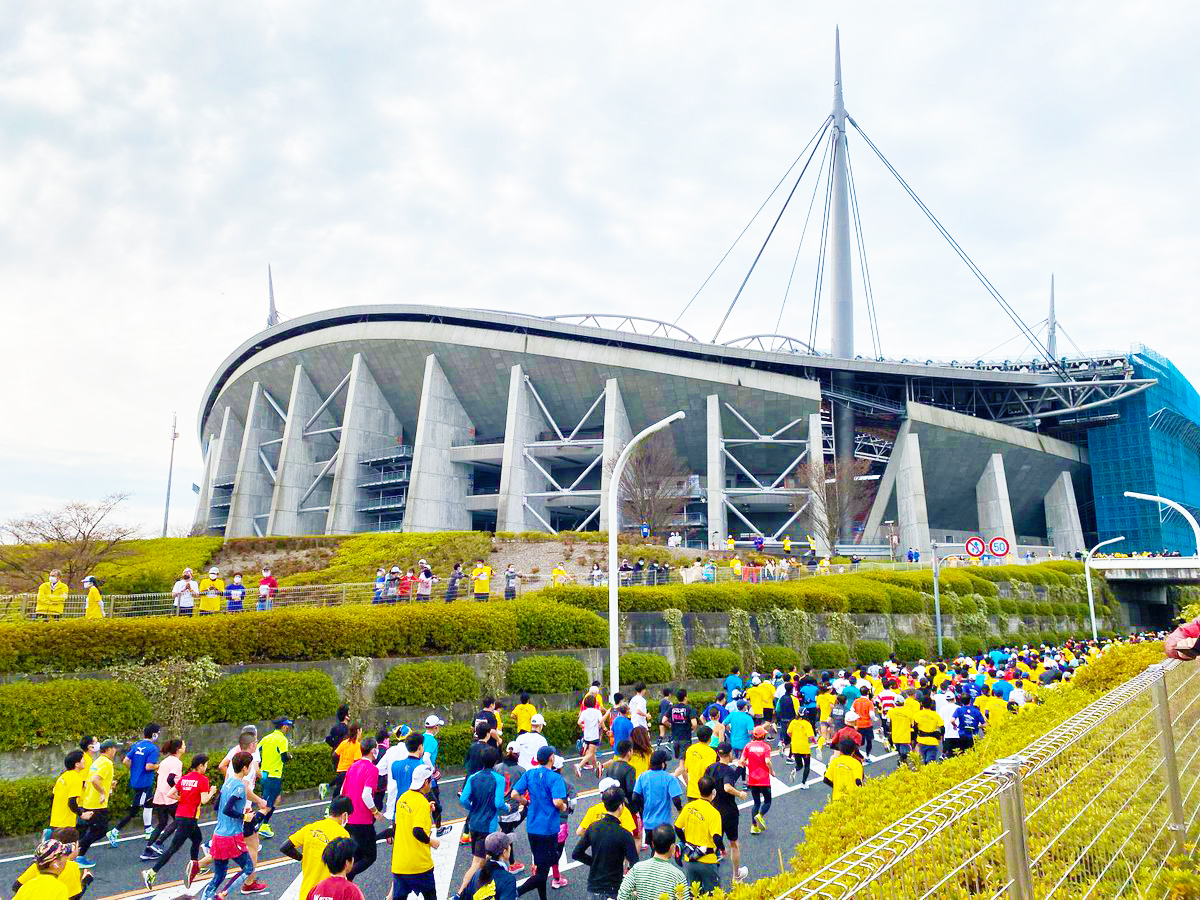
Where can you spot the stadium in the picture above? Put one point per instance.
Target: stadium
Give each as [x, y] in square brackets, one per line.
[422, 418]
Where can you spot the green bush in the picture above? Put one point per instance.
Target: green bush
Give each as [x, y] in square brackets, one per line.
[867, 652]
[777, 657]
[285, 635]
[1066, 566]
[547, 675]
[648, 668]
[829, 655]
[427, 684]
[972, 645]
[153, 566]
[951, 648]
[711, 662]
[357, 557]
[910, 649]
[56, 712]
[264, 695]
[1008, 606]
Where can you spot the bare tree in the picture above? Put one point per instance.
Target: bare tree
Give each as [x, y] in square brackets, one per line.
[654, 485]
[74, 539]
[836, 497]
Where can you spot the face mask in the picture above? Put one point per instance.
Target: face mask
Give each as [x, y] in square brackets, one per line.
[237, 579]
[93, 747]
[53, 580]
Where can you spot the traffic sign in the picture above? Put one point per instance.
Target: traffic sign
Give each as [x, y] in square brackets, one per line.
[975, 547]
[998, 546]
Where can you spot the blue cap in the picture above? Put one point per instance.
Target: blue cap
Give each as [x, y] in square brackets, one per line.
[279, 723]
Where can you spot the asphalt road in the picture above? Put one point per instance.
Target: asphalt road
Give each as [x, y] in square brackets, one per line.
[118, 870]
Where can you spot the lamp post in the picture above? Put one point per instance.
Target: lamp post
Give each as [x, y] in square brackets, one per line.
[1178, 507]
[1087, 574]
[614, 491]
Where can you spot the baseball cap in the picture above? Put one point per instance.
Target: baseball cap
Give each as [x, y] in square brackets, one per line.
[511, 748]
[545, 754]
[420, 775]
[396, 569]
[279, 723]
[496, 843]
[537, 719]
[48, 851]
[214, 571]
[606, 783]
[432, 721]
[108, 745]
[759, 731]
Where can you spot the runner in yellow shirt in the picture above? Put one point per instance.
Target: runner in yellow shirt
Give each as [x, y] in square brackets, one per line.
[700, 824]
[97, 789]
[800, 738]
[845, 772]
[523, 714]
[50, 857]
[68, 787]
[412, 857]
[696, 760]
[309, 842]
[72, 877]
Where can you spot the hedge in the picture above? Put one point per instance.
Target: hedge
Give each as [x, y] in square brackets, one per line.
[263, 695]
[300, 634]
[648, 668]
[951, 649]
[972, 645]
[829, 655]
[427, 684]
[910, 649]
[711, 662]
[357, 557]
[547, 675]
[867, 652]
[776, 657]
[59, 711]
[153, 566]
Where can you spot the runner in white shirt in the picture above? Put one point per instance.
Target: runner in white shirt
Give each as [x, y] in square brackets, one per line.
[530, 742]
[590, 718]
[637, 707]
[395, 752]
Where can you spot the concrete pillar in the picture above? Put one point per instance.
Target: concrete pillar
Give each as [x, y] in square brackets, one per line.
[437, 487]
[518, 476]
[992, 503]
[300, 460]
[617, 434]
[910, 496]
[368, 424]
[220, 465]
[253, 485]
[816, 483]
[1063, 527]
[873, 531]
[718, 517]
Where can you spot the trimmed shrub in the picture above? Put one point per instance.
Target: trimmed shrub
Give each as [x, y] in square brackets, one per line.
[255, 696]
[711, 662]
[427, 684]
[829, 655]
[55, 712]
[868, 652]
[1008, 606]
[547, 675]
[648, 668]
[358, 557]
[300, 634]
[1066, 566]
[152, 566]
[910, 649]
[777, 657]
[972, 645]
[308, 766]
[950, 648]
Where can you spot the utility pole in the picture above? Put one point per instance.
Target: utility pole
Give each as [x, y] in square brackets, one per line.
[170, 472]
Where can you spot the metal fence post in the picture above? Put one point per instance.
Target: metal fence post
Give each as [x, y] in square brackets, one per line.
[1012, 817]
[1166, 743]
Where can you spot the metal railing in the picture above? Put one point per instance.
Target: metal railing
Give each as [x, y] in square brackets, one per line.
[1093, 809]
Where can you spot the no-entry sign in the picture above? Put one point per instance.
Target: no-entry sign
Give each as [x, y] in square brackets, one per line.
[975, 547]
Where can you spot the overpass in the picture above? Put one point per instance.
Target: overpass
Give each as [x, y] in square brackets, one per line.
[1141, 584]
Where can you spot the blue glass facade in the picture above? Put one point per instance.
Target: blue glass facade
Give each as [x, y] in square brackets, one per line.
[1153, 449]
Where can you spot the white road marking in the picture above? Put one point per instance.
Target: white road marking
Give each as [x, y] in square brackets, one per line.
[444, 858]
[292, 891]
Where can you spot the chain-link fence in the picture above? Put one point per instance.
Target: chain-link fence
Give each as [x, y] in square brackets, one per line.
[1093, 809]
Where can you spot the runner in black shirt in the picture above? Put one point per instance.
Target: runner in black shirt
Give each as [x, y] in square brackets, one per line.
[663, 706]
[681, 719]
[725, 776]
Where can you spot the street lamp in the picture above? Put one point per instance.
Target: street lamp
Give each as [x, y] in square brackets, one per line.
[1178, 507]
[1087, 573]
[614, 491]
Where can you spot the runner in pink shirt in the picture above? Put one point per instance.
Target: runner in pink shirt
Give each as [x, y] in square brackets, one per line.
[362, 779]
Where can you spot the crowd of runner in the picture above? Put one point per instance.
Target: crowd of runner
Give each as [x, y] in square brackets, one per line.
[670, 791]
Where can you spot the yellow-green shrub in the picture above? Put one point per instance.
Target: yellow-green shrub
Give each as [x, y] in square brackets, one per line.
[357, 557]
[153, 566]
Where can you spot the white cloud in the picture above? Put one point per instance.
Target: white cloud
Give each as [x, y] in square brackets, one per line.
[527, 156]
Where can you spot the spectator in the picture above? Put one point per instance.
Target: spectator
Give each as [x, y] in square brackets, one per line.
[268, 587]
[184, 593]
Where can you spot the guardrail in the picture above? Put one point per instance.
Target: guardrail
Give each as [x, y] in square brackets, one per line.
[1094, 809]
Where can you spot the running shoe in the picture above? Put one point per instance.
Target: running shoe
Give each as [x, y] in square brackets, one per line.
[190, 873]
[578, 770]
[149, 830]
[741, 874]
[267, 831]
[112, 835]
[443, 830]
[559, 883]
[760, 822]
[516, 867]
[465, 838]
[46, 832]
[754, 829]
[254, 887]
[804, 786]
[149, 878]
[156, 849]
[322, 791]
[148, 856]
[84, 863]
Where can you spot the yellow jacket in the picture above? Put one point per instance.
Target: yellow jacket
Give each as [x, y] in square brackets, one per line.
[94, 609]
[50, 600]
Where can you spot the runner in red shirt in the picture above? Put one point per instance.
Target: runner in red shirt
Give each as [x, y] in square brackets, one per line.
[756, 757]
[338, 857]
[193, 790]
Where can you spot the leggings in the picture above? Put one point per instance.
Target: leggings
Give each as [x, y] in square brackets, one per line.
[760, 796]
[164, 822]
[221, 869]
[91, 830]
[803, 765]
[335, 786]
[185, 830]
[544, 848]
[868, 736]
[364, 836]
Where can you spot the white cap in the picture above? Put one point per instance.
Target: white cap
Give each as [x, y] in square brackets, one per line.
[537, 719]
[557, 763]
[432, 721]
[594, 689]
[420, 775]
[606, 783]
[214, 571]
[421, 562]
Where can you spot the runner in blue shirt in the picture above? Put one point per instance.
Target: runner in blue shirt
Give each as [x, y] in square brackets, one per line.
[733, 682]
[547, 798]
[228, 843]
[660, 791]
[141, 760]
[739, 725]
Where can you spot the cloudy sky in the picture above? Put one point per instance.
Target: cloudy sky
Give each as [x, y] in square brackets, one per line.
[551, 157]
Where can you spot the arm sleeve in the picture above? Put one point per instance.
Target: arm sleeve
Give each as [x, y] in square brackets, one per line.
[421, 835]
[368, 798]
[289, 850]
[234, 807]
[73, 803]
[171, 780]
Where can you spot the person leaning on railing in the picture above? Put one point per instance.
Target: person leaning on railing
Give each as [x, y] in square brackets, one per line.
[51, 597]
